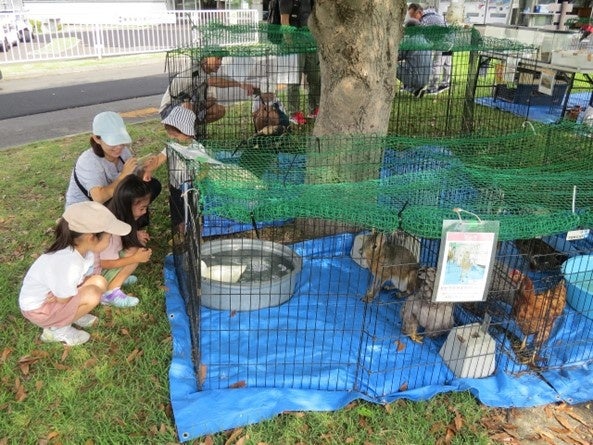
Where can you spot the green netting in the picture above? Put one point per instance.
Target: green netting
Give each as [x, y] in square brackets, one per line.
[443, 152]
[265, 39]
[525, 180]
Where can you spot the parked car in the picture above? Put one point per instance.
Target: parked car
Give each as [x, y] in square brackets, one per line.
[25, 30]
[16, 27]
[8, 37]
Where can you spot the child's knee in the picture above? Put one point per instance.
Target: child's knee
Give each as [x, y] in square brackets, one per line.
[98, 281]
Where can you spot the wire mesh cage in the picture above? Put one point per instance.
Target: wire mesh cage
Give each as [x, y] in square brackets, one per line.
[310, 263]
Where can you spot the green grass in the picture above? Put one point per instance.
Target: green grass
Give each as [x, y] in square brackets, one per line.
[55, 68]
[114, 389]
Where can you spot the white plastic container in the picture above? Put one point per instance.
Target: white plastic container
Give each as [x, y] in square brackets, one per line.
[469, 352]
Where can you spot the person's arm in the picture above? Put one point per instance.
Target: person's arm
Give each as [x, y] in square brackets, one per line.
[152, 163]
[140, 255]
[104, 193]
[225, 82]
[285, 8]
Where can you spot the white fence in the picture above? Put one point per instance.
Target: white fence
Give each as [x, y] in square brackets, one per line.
[68, 37]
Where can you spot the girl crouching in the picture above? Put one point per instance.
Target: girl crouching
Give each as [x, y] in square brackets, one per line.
[59, 289]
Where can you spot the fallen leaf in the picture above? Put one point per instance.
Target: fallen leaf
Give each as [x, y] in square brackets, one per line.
[547, 437]
[233, 313]
[26, 361]
[403, 387]
[576, 440]
[388, 409]
[208, 440]
[562, 406]
[133, 355]
[349, 440]
[562, 421]
[503, 438]
[52, 435]
[19, 390]
[558, 430]
[234, 435]
[458, 422]
[239, 384]
[65, 354]
[124, 331]
[577, 418]
[90, 363]
[61, 367]
[400, 345]
[509, 430]
[5, 353]
[38, 385]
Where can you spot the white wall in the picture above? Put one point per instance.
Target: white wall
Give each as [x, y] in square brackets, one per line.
[85, 13]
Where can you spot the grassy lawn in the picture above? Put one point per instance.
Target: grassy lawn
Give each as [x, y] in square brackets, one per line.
[114, 389]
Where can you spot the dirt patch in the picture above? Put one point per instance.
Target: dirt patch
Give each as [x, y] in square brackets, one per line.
[554, 424]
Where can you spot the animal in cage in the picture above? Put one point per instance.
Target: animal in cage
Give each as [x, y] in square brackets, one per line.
[535, 312]
[270, 122]
[388, 261]
[541, 256]
[268, 114]
[420, 311]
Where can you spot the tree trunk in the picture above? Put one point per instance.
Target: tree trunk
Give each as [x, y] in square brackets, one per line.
[357, 42]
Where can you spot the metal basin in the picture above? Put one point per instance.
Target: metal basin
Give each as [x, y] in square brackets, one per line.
[268, 279]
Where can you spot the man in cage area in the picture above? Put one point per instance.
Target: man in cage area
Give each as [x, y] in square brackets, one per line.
[296, 13]
[441, 63]
[189, 88]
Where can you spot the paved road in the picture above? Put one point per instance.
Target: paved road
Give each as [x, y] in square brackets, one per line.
[29, 103]
[64, 103]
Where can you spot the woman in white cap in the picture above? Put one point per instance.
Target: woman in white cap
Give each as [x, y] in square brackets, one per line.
[100, 168]
[60, 289]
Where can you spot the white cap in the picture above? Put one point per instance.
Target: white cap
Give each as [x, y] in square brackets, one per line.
[111, 128]
[92, 217]
[181, 118]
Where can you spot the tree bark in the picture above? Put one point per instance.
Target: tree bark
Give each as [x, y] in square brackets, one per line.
[357, 43]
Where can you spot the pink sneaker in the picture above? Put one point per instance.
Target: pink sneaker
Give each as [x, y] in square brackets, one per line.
[298, 118]
[313, 114]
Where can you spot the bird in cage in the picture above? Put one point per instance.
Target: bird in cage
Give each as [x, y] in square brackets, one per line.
[420, 311]
[535, 312]
[388, 262]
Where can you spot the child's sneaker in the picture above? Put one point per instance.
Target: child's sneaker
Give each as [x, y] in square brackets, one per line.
[313, 114]
[118, 298]
[66, 334]
[298, 118]
[132, 279]
[86, 321]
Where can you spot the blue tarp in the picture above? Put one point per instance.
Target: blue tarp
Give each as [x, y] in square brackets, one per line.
[310, 353]
[540, 113]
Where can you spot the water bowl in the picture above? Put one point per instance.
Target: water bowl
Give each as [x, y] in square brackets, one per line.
[268, 274]
[578, 272]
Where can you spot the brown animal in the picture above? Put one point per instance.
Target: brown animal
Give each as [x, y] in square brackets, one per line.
[535, 313]
[388, 262]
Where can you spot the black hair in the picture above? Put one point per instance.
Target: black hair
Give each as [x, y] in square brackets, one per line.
[64, 237]
[128, 191]
[97, 149]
